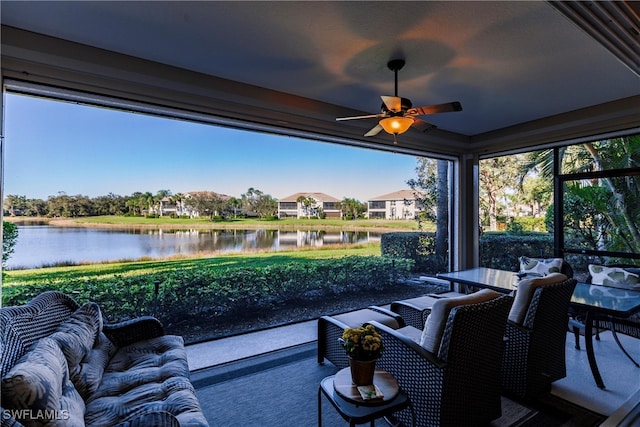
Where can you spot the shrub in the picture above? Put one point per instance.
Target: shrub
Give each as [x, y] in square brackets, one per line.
[501, 250]
[9, 238]
[416, 246]
[206, 293]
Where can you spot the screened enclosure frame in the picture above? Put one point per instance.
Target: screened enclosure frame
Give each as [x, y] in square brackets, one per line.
[560, 179]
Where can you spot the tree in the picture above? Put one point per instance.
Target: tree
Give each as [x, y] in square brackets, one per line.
[352, 208]
[308, 205]
[616, 211]
[177, 200]
[235, 205]
[15, 204]
[431, 190]
[111, 204]
[9, 238]
[60, 205]
[158, 200]
[266, 206]
[36, 207]
[256, 202]
[498, 177]
[135, 203]
[208, 203]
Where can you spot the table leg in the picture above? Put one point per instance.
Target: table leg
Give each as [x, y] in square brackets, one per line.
[588, 341]
[320, 406]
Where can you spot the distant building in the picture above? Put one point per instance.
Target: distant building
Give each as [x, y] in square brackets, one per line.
[318, 204]
[400, 204]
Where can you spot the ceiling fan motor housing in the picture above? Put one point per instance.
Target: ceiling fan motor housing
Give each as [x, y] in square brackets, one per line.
[405, 104]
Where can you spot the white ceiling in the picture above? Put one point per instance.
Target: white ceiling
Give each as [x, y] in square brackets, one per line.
[508, 63]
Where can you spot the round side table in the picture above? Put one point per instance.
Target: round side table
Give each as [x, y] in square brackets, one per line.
[346, 399]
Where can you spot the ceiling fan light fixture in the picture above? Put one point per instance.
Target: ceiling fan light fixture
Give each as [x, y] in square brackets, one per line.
[396, 125]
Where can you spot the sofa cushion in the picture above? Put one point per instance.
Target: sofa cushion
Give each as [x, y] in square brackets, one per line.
[437, 319]
[147, 376]
[40, 381]
[72, 408]
[524, 294]
[540, 266]
[77, 334]
[35, 381]
[616, 277]
[88, 376]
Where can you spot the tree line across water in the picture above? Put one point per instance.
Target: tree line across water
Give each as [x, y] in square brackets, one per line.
[206, 203]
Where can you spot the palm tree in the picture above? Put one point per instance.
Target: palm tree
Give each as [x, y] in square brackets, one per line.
[617, 198]
[307, 203]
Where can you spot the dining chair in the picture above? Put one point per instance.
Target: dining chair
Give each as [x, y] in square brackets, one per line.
[536, 334]
[450, 369]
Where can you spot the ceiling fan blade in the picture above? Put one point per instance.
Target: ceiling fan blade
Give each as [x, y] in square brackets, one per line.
[374, 131]
[435, 109]
[369, 116]
[393, 103]
[421, 125]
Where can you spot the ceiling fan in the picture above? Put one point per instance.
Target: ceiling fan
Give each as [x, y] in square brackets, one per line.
[398, 114]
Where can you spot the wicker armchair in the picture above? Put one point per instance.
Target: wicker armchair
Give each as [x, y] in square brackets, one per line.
[534, 355]
[458, 385]
[414, 311]
[330, 328]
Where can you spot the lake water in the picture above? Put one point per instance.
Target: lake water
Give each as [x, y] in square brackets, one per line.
[42, 245]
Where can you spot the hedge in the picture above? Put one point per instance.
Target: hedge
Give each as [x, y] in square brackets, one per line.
[502, 250]
[187, 295]
[497, 250]
[416, 246]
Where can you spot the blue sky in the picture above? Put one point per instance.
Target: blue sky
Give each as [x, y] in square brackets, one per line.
[52, 146]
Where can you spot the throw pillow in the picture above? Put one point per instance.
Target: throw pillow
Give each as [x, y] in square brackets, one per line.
[615, 277]
[77, 334]
[540, 266]
[36, 380]
[437, 320]
[524, 293]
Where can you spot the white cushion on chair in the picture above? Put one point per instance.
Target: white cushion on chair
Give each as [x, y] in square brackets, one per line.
[434, 326]
[525, 291]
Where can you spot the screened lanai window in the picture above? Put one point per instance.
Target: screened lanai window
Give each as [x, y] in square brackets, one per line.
[152, 211]
[600, 196]
[516, 198]
[580, 202]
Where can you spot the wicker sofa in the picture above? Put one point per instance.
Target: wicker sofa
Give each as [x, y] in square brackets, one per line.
[62, 366]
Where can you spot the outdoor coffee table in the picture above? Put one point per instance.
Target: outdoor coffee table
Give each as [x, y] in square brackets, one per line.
[346, 399]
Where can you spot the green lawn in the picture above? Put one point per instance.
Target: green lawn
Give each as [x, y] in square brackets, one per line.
[97, 271]
[290, 223]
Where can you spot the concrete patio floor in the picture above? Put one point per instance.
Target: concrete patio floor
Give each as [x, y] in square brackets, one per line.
[621, 377]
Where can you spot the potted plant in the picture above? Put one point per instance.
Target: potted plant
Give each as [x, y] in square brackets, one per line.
[363, 346]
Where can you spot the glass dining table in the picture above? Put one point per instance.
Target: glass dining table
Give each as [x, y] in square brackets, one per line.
[594, 301]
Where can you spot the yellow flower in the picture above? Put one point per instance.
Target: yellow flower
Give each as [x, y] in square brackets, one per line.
[363, 343]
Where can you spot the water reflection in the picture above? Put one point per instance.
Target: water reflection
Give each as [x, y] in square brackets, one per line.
[42, 245]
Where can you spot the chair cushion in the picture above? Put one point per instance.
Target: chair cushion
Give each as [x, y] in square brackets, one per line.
[524, 293]
[540, 266]
[616, 277]
[436, 321]
[357, 318]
